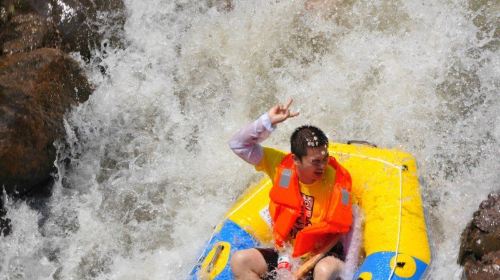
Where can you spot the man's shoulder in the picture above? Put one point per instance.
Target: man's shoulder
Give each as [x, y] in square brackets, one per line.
[271, 158]
[274, 152]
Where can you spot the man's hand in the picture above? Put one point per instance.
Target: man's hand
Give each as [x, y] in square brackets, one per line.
[280, 113]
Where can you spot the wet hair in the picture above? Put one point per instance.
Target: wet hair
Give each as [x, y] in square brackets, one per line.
[307, 136]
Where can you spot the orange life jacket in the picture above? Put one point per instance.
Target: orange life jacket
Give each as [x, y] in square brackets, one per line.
[286, 207]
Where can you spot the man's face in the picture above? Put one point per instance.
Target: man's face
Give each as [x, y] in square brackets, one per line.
[312, 167]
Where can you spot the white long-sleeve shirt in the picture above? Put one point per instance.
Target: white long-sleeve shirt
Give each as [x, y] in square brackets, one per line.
[245, 143]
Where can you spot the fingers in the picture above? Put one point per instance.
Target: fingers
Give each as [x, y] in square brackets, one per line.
[281, 112]
[293, 114]
[289, 113]
[285, 109]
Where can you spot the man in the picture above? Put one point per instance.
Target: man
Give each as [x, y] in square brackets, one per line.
[310, 198]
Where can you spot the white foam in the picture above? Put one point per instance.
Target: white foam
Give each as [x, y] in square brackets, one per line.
[151, 173]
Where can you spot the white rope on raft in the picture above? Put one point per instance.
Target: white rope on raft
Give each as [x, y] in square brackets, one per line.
[400, 168]
[400, 218]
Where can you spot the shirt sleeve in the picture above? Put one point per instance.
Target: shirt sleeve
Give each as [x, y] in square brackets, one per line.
[271, 158]
[245, 143]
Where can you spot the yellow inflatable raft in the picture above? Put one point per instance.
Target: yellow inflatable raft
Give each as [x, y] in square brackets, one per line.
[386, 188]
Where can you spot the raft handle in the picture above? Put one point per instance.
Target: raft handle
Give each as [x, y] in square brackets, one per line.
[362, 142]
[211, 265]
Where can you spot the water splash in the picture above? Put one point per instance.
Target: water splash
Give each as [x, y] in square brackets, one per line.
[145, 172]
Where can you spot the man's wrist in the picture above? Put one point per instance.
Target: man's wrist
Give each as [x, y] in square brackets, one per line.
[266, 122]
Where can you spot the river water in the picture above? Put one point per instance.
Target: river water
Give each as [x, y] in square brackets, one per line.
[145, 171]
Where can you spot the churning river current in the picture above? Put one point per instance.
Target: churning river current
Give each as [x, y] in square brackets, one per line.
[148, 171]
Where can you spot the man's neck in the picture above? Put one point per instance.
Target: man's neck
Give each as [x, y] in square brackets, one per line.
[310, 182]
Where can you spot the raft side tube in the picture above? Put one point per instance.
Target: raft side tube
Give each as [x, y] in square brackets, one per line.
[386, 187]
[214, 262]
[378, 266]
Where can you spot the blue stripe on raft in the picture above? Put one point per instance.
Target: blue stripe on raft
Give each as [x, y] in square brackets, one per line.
[378, 265]
[234, 235]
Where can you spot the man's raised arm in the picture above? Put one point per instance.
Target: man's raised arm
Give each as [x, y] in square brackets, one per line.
[245, 143]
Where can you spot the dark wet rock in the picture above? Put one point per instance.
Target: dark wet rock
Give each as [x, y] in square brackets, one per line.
[486, 269]
[27, 32]
[39, 83]
[488, 218]
[5, 226]
[78, 22]
[480, 248]
[36, 89]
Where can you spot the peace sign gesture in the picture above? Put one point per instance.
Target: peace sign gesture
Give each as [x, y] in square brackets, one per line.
[280, 113]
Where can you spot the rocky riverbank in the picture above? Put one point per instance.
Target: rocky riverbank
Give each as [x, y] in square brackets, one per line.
[40, 81]
[480, 248]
